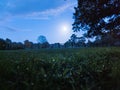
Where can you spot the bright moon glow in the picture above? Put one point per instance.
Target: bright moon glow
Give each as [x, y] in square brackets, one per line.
[63, 31]
[64, 28]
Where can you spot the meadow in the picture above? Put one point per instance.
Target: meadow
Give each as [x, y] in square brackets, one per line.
[60, 69]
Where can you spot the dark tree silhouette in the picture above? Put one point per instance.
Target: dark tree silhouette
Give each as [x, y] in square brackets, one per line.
[43, 43]
[68, 44]
[28, 44]
[98, 17]
[8, 43]
[81, 41]
[2, 44]
[73, 39]
[42, 39]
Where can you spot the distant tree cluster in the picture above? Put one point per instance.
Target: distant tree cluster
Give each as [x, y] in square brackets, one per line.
[9, 45]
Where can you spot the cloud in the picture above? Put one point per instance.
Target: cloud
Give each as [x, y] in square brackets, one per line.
[14, 29]
[53, 12]
[10, 29]
[13, 9]
[33, 14]
[46, 14]
[36, 17]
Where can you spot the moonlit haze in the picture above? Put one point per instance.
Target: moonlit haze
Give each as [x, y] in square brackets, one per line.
[28, 19]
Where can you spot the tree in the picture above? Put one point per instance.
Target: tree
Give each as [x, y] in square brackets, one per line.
[16, 46]
[42, 39]
[68, 44]
[73, 39]
[56, 45]
[45, 45]
[28, 44]
[89, 43]
[81, 41]
[20, 45]
[98, 17]
[8, 43]
[2, 44]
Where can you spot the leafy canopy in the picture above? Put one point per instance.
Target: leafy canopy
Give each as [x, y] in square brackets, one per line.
[98, 17]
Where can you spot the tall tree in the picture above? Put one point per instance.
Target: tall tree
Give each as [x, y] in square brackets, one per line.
[98, 17]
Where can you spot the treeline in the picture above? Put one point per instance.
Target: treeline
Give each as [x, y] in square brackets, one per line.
[73, 42]
[9, 45]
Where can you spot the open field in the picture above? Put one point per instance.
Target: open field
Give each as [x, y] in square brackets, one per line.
[60, 69]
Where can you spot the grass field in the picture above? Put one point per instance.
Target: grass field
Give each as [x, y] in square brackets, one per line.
[60, 69]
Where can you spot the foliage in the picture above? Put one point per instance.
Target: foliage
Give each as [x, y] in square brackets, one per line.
[42, 39]
[2, 44]
[75, 41]
[98, 17]
[60, 69]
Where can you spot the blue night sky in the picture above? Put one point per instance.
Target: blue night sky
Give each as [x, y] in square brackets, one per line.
[27, 19]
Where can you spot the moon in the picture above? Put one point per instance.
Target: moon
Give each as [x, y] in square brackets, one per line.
[64, 29]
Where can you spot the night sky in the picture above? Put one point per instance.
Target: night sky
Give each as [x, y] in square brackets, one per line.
[27, 19]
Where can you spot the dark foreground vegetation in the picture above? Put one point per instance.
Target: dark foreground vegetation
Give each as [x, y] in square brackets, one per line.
[60, 69]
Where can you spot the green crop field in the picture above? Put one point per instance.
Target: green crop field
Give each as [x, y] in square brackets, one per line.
[60, 69]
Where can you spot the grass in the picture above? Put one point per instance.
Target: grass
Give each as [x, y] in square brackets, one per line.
[60, 69]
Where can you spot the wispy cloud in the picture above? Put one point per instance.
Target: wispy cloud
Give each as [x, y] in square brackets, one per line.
[10, 29]
[36, 17]
[46, 14]
[53, 12]
[7, 28]
[40, 15]
[14, 29]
